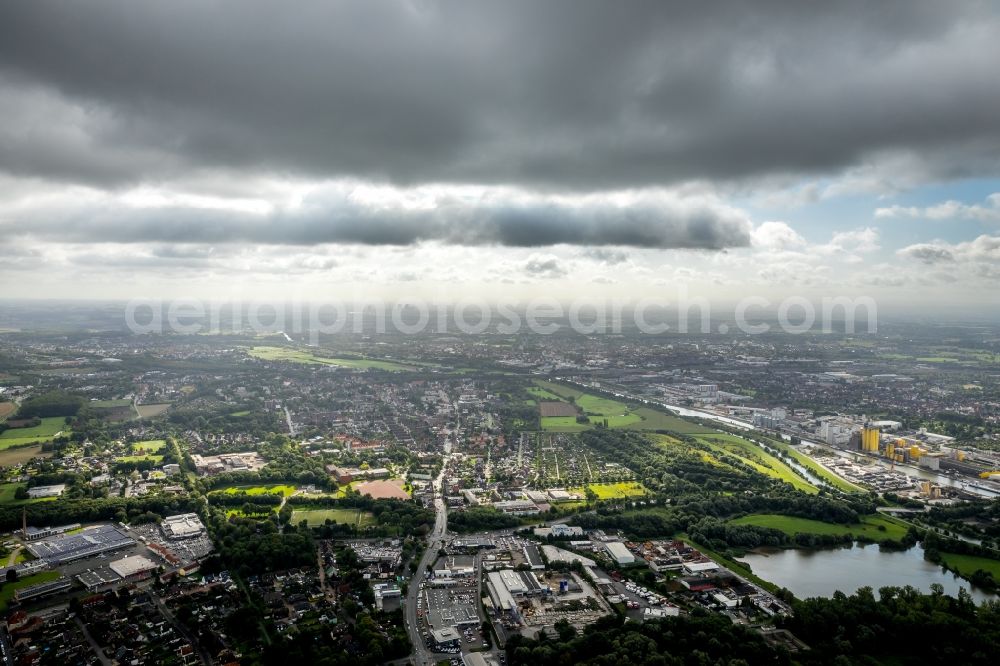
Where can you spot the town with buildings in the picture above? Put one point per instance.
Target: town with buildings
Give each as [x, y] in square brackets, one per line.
[409, 507]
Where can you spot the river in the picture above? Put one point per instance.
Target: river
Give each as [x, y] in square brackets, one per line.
[820, 573]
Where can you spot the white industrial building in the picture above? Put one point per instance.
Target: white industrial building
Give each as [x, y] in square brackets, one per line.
[182, 526]
[619, 553]
[699, 567]
[54, 490]
[133, 567]
[660, 612]
[506, 585]
[516, 507]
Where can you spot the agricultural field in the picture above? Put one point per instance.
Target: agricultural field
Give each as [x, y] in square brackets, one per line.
[7, 498]
[967, 564]
[44, 432]
[151, 410]
[596, 408]
[756, 458]
[563, 424]
[542, 394]
[599, 409]
[6, 409]
[299, 356]
[316, 517]
[874, 527]
[652, 419]
[612, 490]
[21, 454]
[591, 404]
[277, 489]
[626, 420]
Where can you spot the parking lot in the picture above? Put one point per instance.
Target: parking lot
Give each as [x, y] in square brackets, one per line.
[186, 550]
[447, 606]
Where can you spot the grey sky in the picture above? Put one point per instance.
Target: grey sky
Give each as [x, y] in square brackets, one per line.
[494, 124]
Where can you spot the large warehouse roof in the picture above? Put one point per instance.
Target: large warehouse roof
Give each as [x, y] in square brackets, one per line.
[134, 564]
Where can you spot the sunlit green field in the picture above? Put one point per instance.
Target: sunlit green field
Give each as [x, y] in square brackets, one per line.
[315, 517]
[755, 457]
[542, 394]
[7, 592]
[43, 432]
[652, 419]
[277, 489]
[7, 491]
[157, 459]
[967, 564]
[598, 409]
[563, 424]
[150, 445]
[612, 490]
[868, 527]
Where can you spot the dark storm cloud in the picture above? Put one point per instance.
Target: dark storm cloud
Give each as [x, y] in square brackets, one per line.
[605, 255]
[657, 221]
[927, 253]
[562, 95]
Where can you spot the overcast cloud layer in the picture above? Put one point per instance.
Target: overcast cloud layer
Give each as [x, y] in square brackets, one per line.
[564, 94]
[500, 125]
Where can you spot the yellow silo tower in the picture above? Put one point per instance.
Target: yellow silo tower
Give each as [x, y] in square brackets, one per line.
[869, 439]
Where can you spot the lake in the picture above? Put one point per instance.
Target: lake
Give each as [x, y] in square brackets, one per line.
[820, 573]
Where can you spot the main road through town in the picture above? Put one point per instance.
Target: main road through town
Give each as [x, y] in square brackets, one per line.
[421, 655]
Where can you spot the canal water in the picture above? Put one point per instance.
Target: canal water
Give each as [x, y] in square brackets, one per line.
[820, 573]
